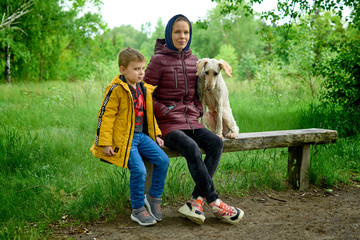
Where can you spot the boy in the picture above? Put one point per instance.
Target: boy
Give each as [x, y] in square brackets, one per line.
[127, 130]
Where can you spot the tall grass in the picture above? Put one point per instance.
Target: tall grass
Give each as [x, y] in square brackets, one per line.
[48, 173]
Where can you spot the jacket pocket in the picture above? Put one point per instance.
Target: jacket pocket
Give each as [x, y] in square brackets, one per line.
[169, 109]
[198, 110]
[176, 78]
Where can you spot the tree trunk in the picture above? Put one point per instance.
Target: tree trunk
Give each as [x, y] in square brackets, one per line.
[7, 64]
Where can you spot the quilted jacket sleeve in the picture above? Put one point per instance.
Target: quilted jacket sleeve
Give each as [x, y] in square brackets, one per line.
[153, 74]
[107, 112]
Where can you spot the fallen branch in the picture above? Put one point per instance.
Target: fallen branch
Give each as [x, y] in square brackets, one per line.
[274, 198]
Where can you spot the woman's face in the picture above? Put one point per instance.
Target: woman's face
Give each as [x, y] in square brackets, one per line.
[180, 34]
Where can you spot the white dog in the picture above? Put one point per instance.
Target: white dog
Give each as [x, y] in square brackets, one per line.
[213, 94]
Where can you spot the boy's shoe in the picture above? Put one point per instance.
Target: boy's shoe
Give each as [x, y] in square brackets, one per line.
[154, 207]
[227, 213]
[193, 210]
[142, 216]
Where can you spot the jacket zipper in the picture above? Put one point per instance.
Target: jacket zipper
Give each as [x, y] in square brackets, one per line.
[154, 119]
[131, 126]
[184, 70]
[186, 90]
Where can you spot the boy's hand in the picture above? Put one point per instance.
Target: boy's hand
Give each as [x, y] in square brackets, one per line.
[159, 141]
[108, 151]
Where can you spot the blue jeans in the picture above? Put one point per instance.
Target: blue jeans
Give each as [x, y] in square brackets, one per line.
[188, 144]
[143, 145]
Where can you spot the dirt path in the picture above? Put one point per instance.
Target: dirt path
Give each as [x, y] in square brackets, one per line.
[316, 214]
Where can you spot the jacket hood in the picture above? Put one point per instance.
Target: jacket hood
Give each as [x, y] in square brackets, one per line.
[119, 81]
[168, 33]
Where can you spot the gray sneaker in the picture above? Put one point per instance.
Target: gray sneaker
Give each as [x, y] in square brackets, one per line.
[142, 217]
[154, 206]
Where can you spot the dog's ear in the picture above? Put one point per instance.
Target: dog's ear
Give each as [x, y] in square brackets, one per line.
[227, 68]
[199, 65]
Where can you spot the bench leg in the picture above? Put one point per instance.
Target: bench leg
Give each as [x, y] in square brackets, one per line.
[298, 166]
[149, 171]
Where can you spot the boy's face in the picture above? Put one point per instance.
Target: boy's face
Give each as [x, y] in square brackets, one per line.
[134, 72]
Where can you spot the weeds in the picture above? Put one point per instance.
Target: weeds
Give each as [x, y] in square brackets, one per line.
[47, 171]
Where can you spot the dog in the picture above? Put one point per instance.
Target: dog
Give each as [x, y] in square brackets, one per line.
[213, 94]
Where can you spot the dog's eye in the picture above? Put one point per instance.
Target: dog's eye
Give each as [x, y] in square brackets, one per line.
[215, 73]
[207, 72]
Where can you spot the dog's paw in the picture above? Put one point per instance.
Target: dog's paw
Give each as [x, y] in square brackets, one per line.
[220, 136]
[231, 135]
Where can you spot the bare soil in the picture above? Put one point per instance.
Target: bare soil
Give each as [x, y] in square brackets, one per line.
[315, 214]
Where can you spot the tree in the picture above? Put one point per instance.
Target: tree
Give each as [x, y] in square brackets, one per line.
[335, 58]
[7, 23]
[343, 81]
[37, 48]
[291, 10]
[235, 30]
[148, 45]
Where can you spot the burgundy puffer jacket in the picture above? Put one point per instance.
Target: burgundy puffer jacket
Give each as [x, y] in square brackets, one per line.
[176, 104]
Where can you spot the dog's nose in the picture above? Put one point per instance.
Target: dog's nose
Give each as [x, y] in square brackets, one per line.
[210, 86]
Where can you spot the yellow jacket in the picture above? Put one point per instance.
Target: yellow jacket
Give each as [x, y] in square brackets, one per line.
[116, 121]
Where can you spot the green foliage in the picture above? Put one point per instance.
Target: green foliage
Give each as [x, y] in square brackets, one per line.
[342, 74]
[148, 45]
[39, 38]
[291, 10]
[338, 162]
[234, 30]
[227, 53]
[269, 81]
[15, 151]
[48, 173]
[248, 66]
[252, 170]
[346, 122]
[340, 96]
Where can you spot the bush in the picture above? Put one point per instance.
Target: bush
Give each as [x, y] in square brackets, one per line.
[340, 99]
[346, 122]
[342, 77]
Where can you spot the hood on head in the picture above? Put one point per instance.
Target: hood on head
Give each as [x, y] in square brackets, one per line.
[168, 33]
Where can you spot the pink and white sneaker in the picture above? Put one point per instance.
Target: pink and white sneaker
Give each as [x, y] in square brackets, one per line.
[227, 213]
[193, 210]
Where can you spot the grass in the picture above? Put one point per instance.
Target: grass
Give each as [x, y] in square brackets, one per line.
[48, 173]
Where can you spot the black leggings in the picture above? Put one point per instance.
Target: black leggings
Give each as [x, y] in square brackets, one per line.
[188, 144]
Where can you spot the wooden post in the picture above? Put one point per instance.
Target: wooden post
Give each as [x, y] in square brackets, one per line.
[298, 166]
[149, 171]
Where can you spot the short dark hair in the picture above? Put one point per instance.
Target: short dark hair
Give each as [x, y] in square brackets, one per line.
[129, 54]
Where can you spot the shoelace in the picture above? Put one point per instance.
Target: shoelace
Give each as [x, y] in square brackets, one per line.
[198, 203]
[145, 213]
[225, 209]
[158, 207]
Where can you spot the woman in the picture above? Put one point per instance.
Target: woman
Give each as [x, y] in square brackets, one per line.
[173, 70]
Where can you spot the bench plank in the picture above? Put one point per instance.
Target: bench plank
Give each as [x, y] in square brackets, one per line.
[297, 141]
[274, 139]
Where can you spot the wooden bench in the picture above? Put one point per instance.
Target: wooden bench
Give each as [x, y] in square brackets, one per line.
[297, 141]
